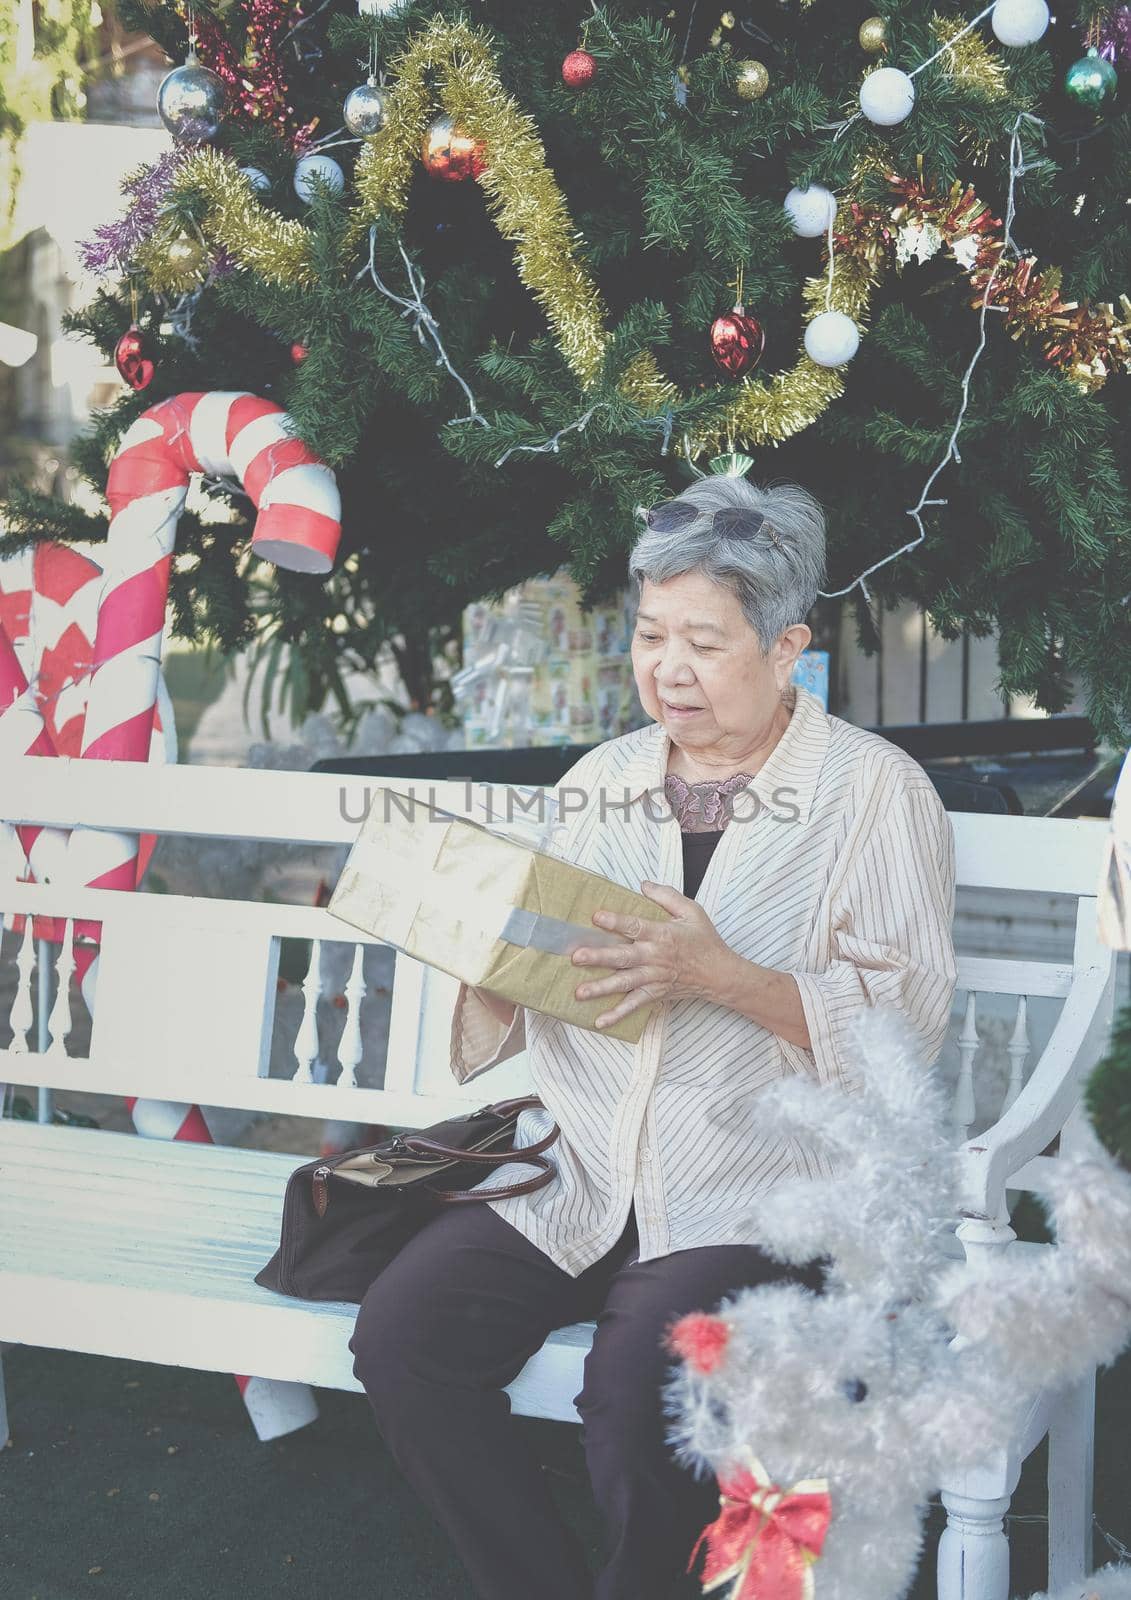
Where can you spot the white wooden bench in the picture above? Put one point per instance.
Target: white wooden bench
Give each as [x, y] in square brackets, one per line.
[129, 1247]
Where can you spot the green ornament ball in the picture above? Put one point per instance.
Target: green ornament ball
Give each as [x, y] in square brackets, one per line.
[1091, 81]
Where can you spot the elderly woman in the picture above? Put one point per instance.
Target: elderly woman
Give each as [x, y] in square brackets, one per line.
[807, 866]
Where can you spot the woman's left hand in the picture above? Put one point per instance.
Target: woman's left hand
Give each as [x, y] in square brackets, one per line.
[674, 960]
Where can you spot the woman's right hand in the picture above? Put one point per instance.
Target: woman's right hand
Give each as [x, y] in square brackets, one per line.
[502, 1010]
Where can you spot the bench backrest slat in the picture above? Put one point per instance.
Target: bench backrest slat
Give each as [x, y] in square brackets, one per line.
[1042, 854]
[188, 991]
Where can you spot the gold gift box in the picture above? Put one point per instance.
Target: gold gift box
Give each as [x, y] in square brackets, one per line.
[484, 908]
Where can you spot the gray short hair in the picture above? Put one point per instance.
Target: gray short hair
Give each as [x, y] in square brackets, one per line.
[775, 580]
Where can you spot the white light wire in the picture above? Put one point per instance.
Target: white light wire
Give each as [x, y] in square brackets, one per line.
[1017, 168]
[424, 322]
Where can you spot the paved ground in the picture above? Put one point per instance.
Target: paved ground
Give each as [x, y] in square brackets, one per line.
[136, 1482]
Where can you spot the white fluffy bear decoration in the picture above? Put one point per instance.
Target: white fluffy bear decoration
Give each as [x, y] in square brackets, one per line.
[830, 1419]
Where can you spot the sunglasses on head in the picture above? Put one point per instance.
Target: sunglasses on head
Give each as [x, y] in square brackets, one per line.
[731, 522]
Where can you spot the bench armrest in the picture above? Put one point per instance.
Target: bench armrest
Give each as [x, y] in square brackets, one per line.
[987, 1161]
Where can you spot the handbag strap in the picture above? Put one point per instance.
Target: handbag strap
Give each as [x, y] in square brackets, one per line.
[547, 1173]
[530, 1155]
[419, 1146]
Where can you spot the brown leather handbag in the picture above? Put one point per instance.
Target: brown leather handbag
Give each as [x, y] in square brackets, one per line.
[346, 1218]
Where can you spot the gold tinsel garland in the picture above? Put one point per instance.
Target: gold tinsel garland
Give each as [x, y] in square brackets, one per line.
[768, 413]
[969, 61]
[450, 68]
[259, 240]
[454, 63]
[522, 193]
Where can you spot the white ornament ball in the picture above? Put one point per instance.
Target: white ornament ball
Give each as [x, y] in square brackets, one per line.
[887, 96]
[313, 166]
[258, 179]
[831, 339]
[810, 210]
[1018, 22]
[378, 8]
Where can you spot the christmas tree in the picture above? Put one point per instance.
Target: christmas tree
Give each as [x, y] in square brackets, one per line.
[518, 269]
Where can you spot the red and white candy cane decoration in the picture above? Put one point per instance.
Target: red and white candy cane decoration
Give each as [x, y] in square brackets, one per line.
[49, 597]
[298, 527]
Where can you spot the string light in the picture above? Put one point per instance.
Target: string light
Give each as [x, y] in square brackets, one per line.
[424, 322]
[950, 43]
[832, 259]
[1113, 1544]
[550, 446]
[1017, 169]
[665, 421]
[179, 317]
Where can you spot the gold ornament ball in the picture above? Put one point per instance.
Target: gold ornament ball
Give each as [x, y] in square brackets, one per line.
[874, 35]
[751, 80]
[186, 254]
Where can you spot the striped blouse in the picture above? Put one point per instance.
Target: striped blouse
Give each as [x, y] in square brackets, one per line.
[837, 866]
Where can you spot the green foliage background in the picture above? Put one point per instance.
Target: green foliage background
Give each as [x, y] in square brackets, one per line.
[667, 199]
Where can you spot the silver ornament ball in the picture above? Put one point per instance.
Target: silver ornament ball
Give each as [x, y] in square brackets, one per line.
[191, 102]
[364, 111]
[378, 8]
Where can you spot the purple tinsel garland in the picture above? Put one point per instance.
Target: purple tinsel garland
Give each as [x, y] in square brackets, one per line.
[1115, 35]
[114, 243]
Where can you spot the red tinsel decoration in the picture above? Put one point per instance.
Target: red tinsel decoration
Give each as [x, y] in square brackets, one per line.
[257, 85]
[1087, 341]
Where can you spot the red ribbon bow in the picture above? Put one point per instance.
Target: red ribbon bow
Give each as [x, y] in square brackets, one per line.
[765, 1539]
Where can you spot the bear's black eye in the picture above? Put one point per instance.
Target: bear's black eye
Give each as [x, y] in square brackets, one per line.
[855, 1389]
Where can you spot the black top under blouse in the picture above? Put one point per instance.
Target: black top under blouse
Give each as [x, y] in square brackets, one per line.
[698, 848]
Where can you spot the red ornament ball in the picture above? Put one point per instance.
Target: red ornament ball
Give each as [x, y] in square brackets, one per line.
[737, 342]
[578, 69]
[451, 155]
[299, 353]
[131, 357]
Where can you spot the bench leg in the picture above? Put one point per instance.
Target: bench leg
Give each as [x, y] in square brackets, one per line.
[1071, 1433]
[4, 1433]
[973, 1556]
[973, 1560]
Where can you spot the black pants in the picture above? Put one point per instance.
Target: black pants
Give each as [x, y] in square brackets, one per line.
[455, 1317]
